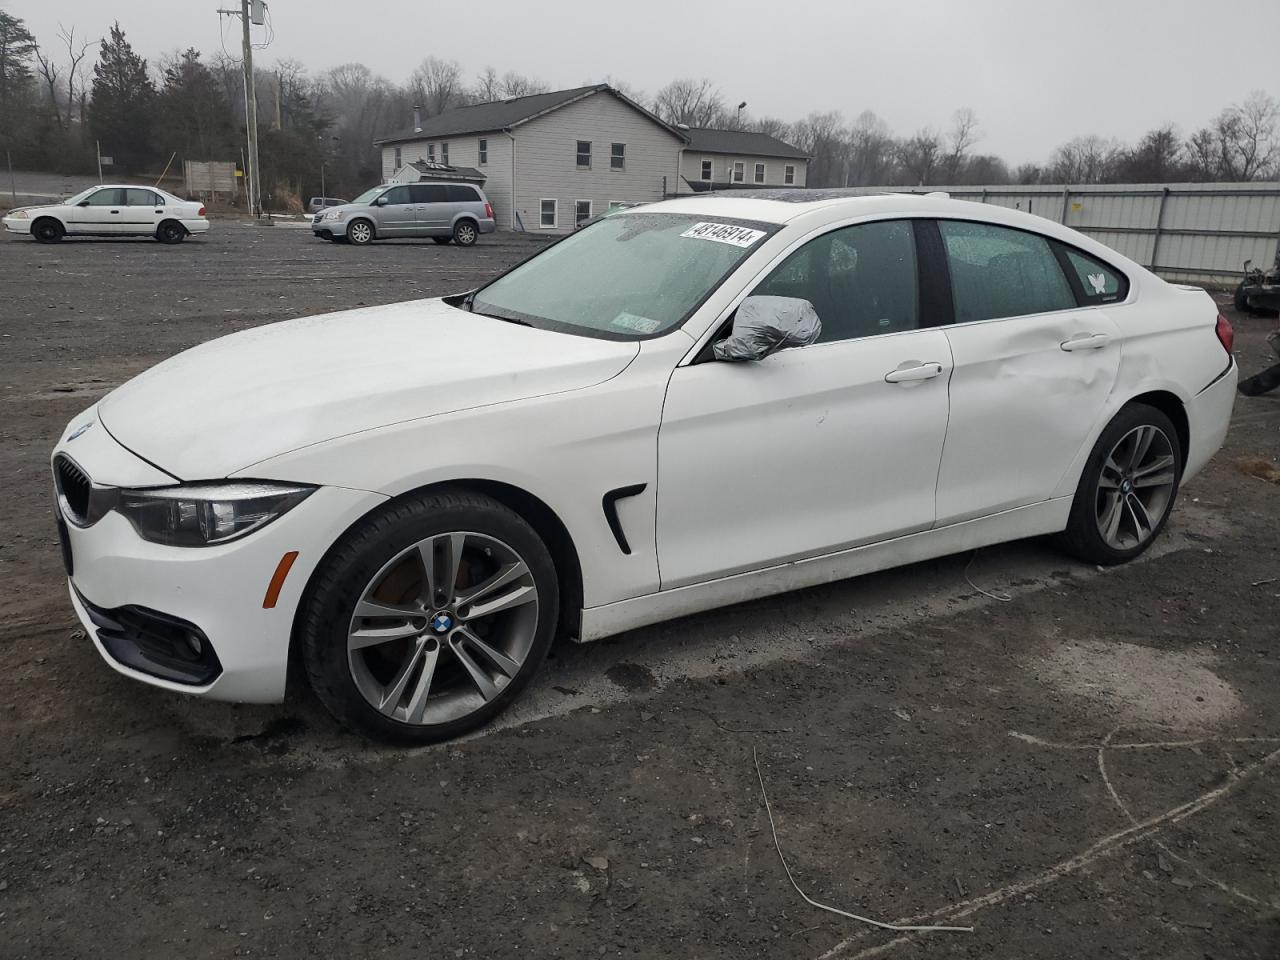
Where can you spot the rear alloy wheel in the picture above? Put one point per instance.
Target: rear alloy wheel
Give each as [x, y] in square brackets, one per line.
[47, 230]
[171, 232]
[465, 233]
[1127, 489]
[359, 232]
[430, 619]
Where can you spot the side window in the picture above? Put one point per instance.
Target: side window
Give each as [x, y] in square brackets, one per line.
[397, 195]
[110, 197]
[427, 193]
[141, 198]
[483, 151]
[706, 170]
[460, 193]
[1098, 282]
[584, 153]
[1001, 272]
[861, 279]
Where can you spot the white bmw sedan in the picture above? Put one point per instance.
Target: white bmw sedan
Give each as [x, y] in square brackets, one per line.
[111, 211]
[679, 407]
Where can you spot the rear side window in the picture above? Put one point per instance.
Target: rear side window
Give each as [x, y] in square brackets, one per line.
[460, 193]
[1098, 282]
[141, 198]
[1001, 272]
[428, 192]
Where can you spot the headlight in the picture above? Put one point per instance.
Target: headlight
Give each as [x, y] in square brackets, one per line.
[200, 515]
[19, 215]
[319, 217]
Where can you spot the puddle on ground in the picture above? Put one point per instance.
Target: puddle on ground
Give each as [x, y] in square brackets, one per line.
[1136, 684]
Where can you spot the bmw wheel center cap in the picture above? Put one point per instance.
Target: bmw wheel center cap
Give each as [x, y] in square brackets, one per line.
[442, 623]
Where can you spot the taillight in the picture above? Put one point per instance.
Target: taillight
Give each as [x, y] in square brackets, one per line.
[488, 210]
[1225, 334]
[200, 212]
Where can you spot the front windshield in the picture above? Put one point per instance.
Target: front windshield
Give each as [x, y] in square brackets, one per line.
[369, 194]
[71, 201]
[627, 276]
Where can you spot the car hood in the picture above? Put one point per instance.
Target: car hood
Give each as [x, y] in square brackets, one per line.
[342, 208]
[232, 402]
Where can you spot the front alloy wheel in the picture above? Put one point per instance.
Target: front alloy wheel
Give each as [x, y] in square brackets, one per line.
[360, 232]
[430, 617]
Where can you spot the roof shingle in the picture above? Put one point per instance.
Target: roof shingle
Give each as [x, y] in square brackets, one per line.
[741, 142]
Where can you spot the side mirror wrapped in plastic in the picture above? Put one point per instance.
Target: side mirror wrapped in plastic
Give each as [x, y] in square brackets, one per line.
[765, 325]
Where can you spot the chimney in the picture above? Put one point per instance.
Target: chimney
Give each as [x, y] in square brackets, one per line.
[417, 118]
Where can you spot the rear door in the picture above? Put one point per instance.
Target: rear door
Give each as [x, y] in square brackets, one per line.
[143, 211]
[100, 212]
[433, 208]
[1034, 365]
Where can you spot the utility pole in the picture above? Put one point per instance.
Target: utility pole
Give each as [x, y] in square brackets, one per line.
[254, 185]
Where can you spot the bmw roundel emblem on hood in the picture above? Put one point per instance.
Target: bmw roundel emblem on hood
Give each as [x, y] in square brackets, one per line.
[79, 430]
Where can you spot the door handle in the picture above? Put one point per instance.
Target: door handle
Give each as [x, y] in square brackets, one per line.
[115, 211]
[1086, 341]
[913, 372]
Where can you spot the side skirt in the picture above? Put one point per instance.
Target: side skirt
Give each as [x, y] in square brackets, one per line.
[1033, 520]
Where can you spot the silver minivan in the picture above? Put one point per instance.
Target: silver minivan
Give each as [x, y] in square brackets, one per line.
[442, 211]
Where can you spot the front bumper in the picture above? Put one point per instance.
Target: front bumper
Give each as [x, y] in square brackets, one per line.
[134, 597]
[15, 225]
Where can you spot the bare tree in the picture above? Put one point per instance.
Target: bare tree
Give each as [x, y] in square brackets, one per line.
[773, 127]
[488, 87]
[77, 92]
[919, 155]
[1090, 159]
[49, 73]
[962, 136]
[1157, 158]
[693, 102]
[437, 85]
[518, 85]
[822, 136]
[871, 152]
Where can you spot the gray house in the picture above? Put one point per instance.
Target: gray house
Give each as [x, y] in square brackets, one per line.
[729, 159]
[551, 160]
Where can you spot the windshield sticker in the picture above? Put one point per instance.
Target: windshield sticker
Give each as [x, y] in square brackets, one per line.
[1099, 282]
[630, 321]
[724, 233]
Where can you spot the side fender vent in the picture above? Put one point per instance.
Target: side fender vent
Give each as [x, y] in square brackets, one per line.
[609, 504]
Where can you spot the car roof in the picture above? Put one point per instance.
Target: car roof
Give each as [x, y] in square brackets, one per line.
[815, 208]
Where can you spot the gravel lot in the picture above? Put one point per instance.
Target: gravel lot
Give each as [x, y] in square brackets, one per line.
[1086, 770]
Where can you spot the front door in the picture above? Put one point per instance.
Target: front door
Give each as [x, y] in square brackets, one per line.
[1033, 371]
[398, 216]
[100, 212]
[814, 449]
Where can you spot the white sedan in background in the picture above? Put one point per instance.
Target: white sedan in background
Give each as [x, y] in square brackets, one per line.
[679, 407]
[112, 211]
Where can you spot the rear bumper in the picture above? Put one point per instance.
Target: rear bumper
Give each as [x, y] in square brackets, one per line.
[196, 226]
[1209, 416]
[488, 226]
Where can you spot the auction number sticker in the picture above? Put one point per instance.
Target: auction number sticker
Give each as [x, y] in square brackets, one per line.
[724, 233]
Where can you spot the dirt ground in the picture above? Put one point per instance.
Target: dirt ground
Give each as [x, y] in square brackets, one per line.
[1086, 769]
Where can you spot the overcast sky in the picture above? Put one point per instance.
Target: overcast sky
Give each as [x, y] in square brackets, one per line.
[1036, 73]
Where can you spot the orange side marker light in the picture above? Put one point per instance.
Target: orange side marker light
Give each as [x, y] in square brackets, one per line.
[277, 579]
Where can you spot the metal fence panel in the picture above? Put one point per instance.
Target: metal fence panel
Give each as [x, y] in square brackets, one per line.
[1184, 231]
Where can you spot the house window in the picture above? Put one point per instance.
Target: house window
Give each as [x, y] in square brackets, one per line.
[706, 170]
[484, 152]
[738, 171]
[789, 173]
[581, 211]
[396, 165]
[548, 219]
[618, 157]
[444, 153]
[431, 153]
[584, 153]
[759, 173]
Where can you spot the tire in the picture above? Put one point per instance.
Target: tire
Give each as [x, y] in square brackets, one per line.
[1106, 525]
[47, 230]
[353, 661]
[1240, 301]
[359, 232]
[442, 240]
[170, 231]
[465, 233]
